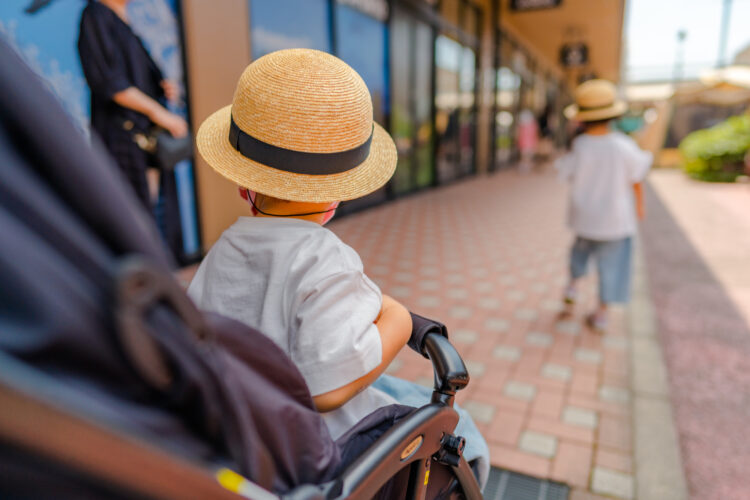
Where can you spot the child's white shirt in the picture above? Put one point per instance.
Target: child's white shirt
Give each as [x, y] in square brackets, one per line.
[601, 171]
[300, 285]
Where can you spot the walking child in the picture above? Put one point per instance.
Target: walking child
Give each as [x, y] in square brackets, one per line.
[604, 170]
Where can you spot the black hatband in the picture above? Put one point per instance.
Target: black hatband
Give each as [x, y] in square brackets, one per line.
[297, 162]
[595, 108]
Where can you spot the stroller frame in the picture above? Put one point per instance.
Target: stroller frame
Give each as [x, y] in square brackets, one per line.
[34, 424]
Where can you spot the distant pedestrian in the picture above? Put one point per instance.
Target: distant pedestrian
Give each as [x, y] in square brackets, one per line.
[528, 140]
[128, 98]
[604, 169]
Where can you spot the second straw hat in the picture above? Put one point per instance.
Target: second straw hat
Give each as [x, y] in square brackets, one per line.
[299, 128]
[595, 100]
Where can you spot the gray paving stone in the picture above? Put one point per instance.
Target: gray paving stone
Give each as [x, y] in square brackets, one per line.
[539, 287]
[380, 270]
[475, 368]
[429, 271]
[587, 356]
[568, 327]
[553, 305]
[612, 482]
[519, 390]
[614, 394]
[484, 286]
[479, 272]
[457, 293]
[404, 277]
[612, 342]
[581, 417]
[526, 314]
[557, 372]
[428, 301]
[489, 303]
[508, 280]
[395, 366]
[455, 278]
[460, 312]
[538, 443]
[496, 324]
[480, 412]
[429, 285]
[405, 264]
[530, 273]
[399, 291]
[464, 336]
[509, 353]
[539, 339]
[515, 295]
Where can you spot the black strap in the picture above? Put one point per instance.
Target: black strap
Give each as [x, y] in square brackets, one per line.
[596, 108]
[297, 162]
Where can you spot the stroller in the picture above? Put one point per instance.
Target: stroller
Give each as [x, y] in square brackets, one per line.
[112, 384]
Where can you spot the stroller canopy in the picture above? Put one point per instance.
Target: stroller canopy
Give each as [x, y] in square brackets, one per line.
[87, 298]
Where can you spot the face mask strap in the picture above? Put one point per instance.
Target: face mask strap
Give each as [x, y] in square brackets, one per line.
[252, 202]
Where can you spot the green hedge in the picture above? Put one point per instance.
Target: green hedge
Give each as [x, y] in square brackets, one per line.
[716, 154]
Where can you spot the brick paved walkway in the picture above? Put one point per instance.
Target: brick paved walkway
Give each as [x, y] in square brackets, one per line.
[488, 257]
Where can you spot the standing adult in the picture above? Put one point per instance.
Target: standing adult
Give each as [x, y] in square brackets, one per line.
[128, 97]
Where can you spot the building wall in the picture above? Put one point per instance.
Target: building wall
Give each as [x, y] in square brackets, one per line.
[217, 46]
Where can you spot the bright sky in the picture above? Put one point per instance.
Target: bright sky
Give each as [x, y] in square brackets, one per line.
[651, 35]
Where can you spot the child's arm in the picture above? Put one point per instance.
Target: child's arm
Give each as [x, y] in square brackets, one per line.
[394, 325]
[640, 209]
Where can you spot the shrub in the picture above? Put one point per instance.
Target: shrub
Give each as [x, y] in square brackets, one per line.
[716, 154]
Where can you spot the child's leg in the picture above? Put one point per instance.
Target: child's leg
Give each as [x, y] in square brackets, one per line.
[613, 259]
[578, 267]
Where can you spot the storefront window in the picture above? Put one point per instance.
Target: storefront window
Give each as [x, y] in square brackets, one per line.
[424, 139]
[287, 24]
[361, 42]
[507, 102]
[402, 122]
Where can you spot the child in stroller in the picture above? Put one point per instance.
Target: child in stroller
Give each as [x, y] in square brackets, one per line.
[102, 352]
[296, 150]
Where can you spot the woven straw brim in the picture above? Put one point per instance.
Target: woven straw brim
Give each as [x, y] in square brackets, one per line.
[213, 144]
[618, 108]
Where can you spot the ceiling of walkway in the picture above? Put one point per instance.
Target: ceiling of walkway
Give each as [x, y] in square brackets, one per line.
[597, 23]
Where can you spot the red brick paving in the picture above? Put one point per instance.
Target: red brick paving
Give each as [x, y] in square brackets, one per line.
[488, 257]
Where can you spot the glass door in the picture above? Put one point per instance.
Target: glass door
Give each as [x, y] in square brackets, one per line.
[411, 101]
[455, 92]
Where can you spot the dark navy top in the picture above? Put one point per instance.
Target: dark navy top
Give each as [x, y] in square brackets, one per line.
[114, 58]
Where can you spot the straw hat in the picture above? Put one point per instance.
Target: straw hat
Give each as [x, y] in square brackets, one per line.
[596, 100]
[299, 128]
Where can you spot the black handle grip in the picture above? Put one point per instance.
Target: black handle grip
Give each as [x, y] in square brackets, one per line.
[450, 371]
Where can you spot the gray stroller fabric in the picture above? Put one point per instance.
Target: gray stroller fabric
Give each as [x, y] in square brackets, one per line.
[68, 222]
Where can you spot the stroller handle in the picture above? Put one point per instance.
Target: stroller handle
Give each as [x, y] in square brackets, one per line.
[450, 371]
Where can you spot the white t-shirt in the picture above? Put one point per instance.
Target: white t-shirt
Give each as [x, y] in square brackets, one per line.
[300, 285]
[601, 170]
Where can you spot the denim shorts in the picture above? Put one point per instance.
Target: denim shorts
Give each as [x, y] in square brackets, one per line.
[613, 263]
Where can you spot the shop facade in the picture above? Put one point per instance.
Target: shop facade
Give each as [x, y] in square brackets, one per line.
[447, 82]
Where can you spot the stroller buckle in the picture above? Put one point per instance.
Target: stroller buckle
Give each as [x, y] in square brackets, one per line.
[451, 450]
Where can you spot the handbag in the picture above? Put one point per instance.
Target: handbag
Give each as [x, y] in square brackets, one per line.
[164, 150]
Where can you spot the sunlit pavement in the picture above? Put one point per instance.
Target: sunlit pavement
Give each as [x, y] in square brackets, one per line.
[697, 248]
[488, 257]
